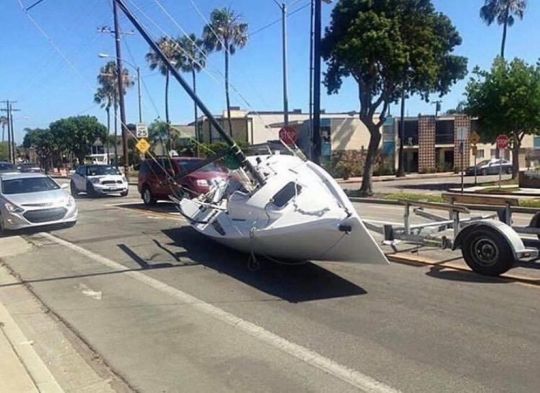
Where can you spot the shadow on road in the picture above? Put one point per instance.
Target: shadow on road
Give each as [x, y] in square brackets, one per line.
[161, 207]
[293, 283]
[459, 275]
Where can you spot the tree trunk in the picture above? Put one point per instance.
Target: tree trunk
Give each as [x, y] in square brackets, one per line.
[227, 89]
[505, 29]
[374, 141]
[115, 135]
[196, 110]
[515, 156]
[167, 109]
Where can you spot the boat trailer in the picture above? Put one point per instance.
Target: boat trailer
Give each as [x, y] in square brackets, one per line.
[490, 244]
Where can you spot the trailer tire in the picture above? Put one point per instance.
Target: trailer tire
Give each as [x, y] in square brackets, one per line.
[487, 252]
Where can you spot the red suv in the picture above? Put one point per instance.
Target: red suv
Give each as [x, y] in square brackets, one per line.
[155, 181]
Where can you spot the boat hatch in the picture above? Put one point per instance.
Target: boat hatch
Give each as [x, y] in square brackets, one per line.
[283, 196]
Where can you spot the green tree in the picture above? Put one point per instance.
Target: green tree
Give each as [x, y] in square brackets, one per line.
[4, 154]
[387, 46]
[192, 59]
[225, 32]
[45, 143]
[504, 12]
[78, 134]
[169, 47]
[506, 99]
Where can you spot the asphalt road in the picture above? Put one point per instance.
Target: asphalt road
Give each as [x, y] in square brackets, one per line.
[170, 312]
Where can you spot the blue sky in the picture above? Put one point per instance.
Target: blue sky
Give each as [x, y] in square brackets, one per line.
[49, 85]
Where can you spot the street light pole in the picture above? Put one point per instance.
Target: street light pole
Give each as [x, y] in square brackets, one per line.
[285, 72]
[121, 89]
[317, 84]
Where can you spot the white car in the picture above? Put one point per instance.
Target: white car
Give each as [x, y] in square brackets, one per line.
[97, 180]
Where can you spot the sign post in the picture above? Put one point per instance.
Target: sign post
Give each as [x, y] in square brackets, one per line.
[462, 136]
[474, 139]
[502, 145]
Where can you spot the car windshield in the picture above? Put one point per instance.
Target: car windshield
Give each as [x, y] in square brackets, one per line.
[190, 165]
[28, 184]
[6, 166]
[100, 170]
[482, 163]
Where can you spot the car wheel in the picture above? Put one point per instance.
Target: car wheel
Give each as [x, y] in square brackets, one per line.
[147, 197]
[3, 230]
[73, 188]
[487, 252]
[90, 192]
[124, 193]
[508, 171]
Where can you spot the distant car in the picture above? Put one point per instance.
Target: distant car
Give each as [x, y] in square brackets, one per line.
[95, 180]
[490, 167]
[29, 167]
[155, 177]
[31, 200]
[7, 167]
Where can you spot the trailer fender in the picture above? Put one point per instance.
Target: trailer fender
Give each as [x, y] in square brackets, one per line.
[511, 236]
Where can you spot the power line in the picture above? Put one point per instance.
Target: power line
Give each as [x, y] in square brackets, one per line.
[279, 19]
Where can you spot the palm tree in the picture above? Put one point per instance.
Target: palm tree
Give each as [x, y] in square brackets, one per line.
[3, 123]
[504, 12]
[107, 95]
[225, 32]
[169, 47]
[192, 58]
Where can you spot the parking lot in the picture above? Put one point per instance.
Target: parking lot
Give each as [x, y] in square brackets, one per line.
[163, 309]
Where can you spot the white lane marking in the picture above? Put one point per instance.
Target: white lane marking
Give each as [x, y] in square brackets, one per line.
[87, 291]
[344, 373]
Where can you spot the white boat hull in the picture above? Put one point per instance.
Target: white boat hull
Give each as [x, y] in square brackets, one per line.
[317, 222]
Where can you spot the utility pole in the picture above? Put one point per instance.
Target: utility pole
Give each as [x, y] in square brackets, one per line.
[120, 89]
[317, 84]
[12, 151]
[285, 72]
[312, 12]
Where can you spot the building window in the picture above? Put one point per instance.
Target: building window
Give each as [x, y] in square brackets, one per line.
[480, 153]
[537, 142]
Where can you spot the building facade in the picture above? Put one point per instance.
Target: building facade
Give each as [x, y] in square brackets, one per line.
[429, 144]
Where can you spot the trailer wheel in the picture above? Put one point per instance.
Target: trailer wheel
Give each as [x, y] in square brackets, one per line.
[487, 252]
[535, 222]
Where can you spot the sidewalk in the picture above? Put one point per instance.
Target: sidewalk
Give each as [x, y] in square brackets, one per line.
[21, 369]
[393, 177]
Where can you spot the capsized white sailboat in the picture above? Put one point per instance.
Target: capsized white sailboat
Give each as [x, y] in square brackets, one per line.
[300, 213]
[281, 206]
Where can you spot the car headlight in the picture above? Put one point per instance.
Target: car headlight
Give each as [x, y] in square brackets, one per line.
[124, 179]
[94, 181]
[70, 201]
[201, 182]
[13, 208]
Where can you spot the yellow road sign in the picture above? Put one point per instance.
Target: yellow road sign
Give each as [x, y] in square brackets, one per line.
[143, 146]
[474, 138]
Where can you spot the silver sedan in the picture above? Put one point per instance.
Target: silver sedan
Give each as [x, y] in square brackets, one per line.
[31, 199]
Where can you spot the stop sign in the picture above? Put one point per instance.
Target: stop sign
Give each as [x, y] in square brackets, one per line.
[288, 135]
[502, 141]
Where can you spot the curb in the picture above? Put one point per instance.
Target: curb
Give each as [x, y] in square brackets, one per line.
[422, 261]
[394, 178]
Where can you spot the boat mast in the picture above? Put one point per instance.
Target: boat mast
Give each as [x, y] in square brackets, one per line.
[232, 144]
